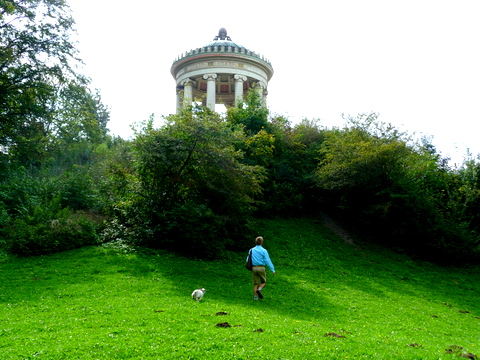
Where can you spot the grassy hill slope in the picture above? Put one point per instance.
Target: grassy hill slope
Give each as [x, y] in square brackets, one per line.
[329, 300]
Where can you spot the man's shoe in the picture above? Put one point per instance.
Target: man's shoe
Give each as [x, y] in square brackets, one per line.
[259, 293]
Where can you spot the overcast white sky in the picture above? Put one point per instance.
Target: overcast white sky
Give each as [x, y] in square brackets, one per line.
[415, 62]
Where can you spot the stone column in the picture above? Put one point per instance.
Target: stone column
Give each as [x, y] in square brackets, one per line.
[262, 91]
[211, 90]
[239, 79]
[179, 100]
[187, 92]
[264, 97]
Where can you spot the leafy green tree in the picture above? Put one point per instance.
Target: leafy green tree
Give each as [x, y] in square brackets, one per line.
[37, 59]
[393, 189]
[462, 201]
[467, 186]
[252, 114]
[290, 188]
[365, 169]
[35, 51]
[195, 194]
[50, 123]
[66, 133]
[79, 115]
[114, 171]
[76, 126]
[287, 154]
[360, 156]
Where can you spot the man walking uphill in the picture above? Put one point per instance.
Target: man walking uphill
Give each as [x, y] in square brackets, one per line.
[260, 259]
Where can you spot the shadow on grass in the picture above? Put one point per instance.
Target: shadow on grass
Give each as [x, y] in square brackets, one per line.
[316, 272]
[308, 247]
[84, 275]
[230, 284]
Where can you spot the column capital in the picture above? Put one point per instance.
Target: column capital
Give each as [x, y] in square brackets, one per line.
[210, 76]
[240, 78]
[187, 82]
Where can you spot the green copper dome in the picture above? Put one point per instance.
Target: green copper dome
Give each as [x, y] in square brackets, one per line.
[221, 44]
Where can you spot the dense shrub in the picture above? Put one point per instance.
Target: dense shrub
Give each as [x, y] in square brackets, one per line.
[290, 187]
[43, 213]
[194, 229]
[398, 192]
[37, 236]
[78, 191]
[192, 191]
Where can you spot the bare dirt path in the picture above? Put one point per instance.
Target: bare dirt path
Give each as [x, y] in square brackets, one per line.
[337, 229]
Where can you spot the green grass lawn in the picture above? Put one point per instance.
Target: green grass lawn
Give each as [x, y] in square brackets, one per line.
[328, 300]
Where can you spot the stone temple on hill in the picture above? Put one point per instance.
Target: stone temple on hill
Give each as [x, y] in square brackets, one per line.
[220, 72]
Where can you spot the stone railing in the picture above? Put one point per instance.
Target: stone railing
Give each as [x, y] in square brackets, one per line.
[219, 49]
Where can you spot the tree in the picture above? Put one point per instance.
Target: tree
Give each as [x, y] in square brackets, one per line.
[195, 194]
[77, 124]
[290, 188]
[398, 191]
[361, 156]
[36, 59]
[252, 114]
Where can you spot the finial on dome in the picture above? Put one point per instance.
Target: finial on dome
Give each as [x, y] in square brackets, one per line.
[222, 35]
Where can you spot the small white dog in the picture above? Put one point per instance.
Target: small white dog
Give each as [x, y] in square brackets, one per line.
[198, 294]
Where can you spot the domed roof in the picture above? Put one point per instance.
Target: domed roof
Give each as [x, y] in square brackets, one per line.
[224, 43]
[220, 44]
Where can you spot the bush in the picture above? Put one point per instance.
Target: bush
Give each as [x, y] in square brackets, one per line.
[43, 213]
[68, 230]
[77, 190]
[400, 193]
[190, 229]
[191, 191]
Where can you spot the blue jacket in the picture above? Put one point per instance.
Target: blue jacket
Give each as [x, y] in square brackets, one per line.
[260, 257]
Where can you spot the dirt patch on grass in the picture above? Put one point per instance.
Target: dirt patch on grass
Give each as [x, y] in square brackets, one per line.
[337, 229]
